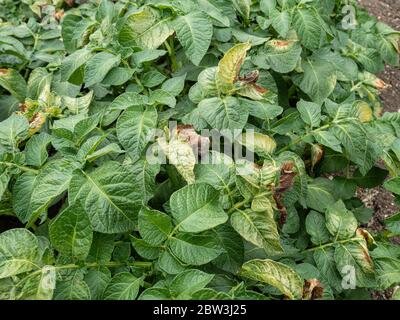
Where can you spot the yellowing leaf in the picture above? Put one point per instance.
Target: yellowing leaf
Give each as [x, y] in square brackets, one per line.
[258, 143]
[229, 66]
[276, 274]
[363, 111]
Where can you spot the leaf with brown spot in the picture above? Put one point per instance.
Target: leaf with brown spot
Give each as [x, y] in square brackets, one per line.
[312, 289]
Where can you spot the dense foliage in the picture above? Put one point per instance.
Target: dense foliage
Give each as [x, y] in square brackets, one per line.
[85, 214]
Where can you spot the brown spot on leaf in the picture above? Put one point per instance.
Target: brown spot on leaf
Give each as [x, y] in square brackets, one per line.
[251, 77]
[312, 289]
[278, 197]
[366, 236]
[260, 89]
[36, 123]
[3, 71]
[59, 14]
[199, 144]
[281, 43]
[287, 177]
[317, 153]
[285, 183]
[380, 84]
[238, 66]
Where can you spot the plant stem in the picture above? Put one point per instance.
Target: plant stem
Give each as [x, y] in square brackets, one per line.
[111, 264]
[239, 205]
[23, 168]
[332, 244]
[300, 139]
[171, 52]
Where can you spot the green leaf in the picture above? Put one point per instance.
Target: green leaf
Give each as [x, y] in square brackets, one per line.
[98, 66]
[320, 194]
[162, 97]
[12, 81]
[97, 281]
[146, 28]
[276, 274]
[218, 171]
[188, 282]
[243, 8]
[393, 224]
[135, 129]
[214, 12]
[374, 177]
[267, 6]
[12, 131]
[354, 254]
[38, 285]
[340, 222]
[36, 193]
[281, 21]
[153, 78]
[319, 80]
[123, 286]
[315, 226]
[144, 249]
[109, 197]
[155, 294]
[145, 178]
[170, 264]
[174, 85]
[195, 249]
[393, 185]
[308, 27]
[328, 139]
[388, 272]
[233, 255]
[71, 232]
[102, 248]
[194, 32]
[72, 64]
[258, 228]
[74, 288]
[4, 180]
[19, 252]
[36, 149]
[310, 113]
[147, 56]
[324, 259]
[196, 208]
[345, 189]
[78, 105]
[154, 226]
[227, 113]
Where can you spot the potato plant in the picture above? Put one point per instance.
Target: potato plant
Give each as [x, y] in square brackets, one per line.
[89, 90]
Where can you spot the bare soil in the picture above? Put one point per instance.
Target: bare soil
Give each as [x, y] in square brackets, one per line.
[380, 200]
[387, 11]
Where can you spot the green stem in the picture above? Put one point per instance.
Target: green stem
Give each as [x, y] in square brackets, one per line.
[171, 52]
[300, 139]
[138, 81]
[111, 264]
[332, 244]
[23, 168]
[239, 205]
